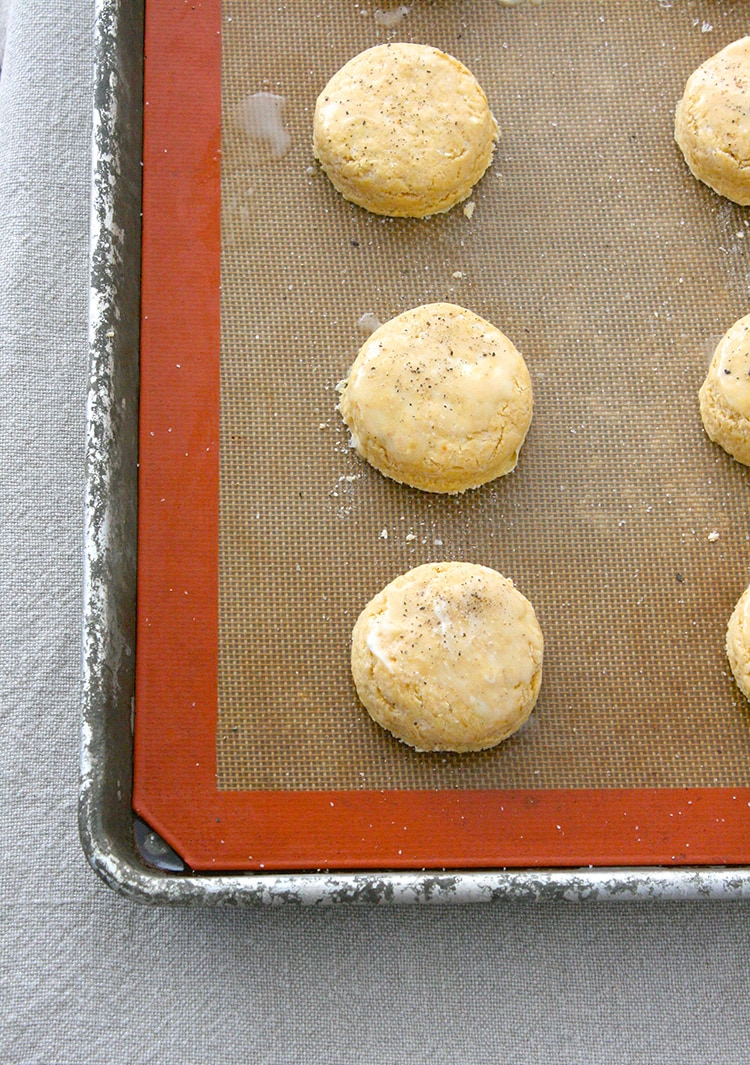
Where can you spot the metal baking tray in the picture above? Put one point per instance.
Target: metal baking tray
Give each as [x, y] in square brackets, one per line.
[122, 850]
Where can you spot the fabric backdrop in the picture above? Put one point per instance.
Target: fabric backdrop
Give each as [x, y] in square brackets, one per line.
[4, 8]
[88, 979]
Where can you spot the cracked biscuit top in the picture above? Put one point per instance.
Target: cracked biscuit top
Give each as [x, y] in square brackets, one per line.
[438, 399]
[725, 393]
[712, 122]
[448, 657]
[404, 130]
[738, 643]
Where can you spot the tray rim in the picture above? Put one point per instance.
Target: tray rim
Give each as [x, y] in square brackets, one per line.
[106, 818]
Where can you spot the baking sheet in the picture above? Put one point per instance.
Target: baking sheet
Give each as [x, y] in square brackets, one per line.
[614, 272]
[183, 36]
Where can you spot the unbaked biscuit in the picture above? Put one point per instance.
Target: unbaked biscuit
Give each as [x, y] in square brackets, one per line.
[712, 122]
[438, 399]
[738, 643]
[404, 130]
[725, 393]
[448, 657]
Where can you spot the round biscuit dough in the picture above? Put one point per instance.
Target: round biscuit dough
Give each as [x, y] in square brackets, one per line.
[725, 394]
[712, 122]
[738, 643]
[448, 657]
[404, 130]
[438, 399]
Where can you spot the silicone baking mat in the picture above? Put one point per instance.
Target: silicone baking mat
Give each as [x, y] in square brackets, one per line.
[263, 534]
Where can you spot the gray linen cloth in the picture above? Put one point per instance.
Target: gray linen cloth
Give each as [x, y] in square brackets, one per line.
[88, 979]
[4, 9]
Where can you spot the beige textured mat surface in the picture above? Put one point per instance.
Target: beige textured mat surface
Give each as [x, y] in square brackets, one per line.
[614, 272]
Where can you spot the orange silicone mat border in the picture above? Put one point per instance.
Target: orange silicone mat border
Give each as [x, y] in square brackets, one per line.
[177, 653]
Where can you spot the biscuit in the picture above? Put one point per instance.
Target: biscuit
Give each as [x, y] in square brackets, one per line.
[448, 657]
[712, 122]
[438, 399]
[404, 130]
[725, 393]
[738, 643]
